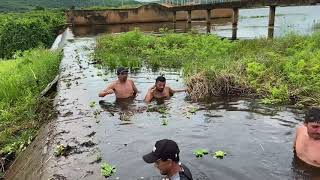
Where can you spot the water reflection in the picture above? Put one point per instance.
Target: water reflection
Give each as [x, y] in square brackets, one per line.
[253, 23]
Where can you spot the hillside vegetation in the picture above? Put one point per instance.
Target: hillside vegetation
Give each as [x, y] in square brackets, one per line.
[24, 31]
[25, 5]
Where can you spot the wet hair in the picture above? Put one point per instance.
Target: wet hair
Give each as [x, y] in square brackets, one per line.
[313, 115]
[161, 79]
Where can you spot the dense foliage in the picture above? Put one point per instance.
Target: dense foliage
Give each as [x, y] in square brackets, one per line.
[23, 31]
[281, 70]
[21, 108]
[26, 5]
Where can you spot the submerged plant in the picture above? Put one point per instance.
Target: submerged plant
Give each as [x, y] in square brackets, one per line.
[107, 170]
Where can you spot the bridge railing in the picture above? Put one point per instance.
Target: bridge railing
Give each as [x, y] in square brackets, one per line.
[194, 2]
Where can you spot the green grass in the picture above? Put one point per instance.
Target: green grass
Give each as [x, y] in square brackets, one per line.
[283, 70]
[22, 110]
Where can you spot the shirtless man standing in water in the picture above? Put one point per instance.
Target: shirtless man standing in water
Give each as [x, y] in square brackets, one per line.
[160, 90]
[307, 142]
[123, 87]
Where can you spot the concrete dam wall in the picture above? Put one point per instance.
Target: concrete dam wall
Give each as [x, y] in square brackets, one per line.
[143, 14]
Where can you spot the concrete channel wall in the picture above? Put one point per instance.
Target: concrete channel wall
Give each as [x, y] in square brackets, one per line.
[143, 14]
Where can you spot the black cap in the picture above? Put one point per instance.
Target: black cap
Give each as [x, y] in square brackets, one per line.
[164, 149]
[121, 70]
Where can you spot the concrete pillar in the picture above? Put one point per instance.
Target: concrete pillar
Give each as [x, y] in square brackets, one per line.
[235, 23]
[208, 16]
[189, 16]
[272, 15]
[174, 16]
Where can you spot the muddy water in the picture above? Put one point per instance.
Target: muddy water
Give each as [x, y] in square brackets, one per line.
[252, 23]
[257, 139]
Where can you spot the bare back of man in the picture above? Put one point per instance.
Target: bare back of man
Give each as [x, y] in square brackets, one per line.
[306, 147]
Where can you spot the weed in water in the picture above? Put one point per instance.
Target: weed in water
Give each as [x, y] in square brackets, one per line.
[107, 170]
[59, 150]
[93, 104]
[200, 152]
[219, 154]
[165, 122]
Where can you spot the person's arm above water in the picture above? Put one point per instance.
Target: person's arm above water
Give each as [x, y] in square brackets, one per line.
[108, 90]
[149, 95]
[172, 91]
[135, 90]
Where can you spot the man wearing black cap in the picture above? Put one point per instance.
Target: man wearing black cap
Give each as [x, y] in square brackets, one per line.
[123, 87]
[165, 156]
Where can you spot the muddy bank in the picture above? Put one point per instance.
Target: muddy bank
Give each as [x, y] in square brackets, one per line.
[72, 127]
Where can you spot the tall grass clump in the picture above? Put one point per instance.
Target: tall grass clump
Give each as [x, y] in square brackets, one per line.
[282, 70]
[22, 110]
[23, 31]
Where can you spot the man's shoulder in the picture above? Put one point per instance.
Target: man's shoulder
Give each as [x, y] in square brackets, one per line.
[301, 129]
[130, 81]
[186, 173]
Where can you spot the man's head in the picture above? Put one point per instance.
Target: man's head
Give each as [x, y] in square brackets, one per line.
[312, 122]
[160, 83]
[122, 73]
[165, 155]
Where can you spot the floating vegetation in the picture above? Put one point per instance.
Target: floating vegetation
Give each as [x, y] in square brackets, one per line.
[193, 109]
[93, 104]
[165, 122]
[200, 152]
[219, 154]
[59, 150]
[96, 113]
[156, 108]
[107, 170]
[68, 84]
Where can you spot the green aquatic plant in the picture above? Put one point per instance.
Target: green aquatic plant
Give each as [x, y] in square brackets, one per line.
[219, 154]
[193, 109]
[107, 170]
[162, 110]
[200, 152]
[93, 104]
[59, 150]
[165, 122]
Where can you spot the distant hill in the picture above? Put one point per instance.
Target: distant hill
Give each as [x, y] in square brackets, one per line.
[25, 5]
